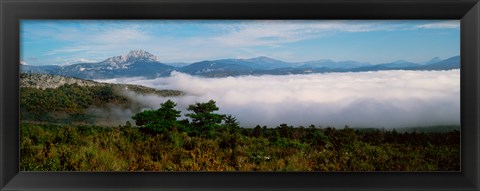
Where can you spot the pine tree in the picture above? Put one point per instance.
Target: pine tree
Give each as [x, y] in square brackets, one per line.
[204, 120]
[160, 120]
[231, 124]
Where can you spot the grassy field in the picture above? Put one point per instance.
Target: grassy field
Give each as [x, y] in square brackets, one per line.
[50, 147]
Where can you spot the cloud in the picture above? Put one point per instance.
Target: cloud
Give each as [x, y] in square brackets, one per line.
[276, 32]
[86, 60]
[121, 36]
[271, 33]
[170, 40]
[363, 99]
[76, 61]
[32, 58]
[111, 115]
[451, 24]
[98, 39]
[67, 50]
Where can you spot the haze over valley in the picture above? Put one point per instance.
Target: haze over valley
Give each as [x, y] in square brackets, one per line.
[360, 99]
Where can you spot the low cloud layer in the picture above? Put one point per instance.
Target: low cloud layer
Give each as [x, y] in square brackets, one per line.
[361, 99]
[111, 115]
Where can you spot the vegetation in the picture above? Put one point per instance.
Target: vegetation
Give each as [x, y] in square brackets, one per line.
[71, 103]
[159, 121]
[208, 141]
[66, 103]
[145, 90]
[204, 120]
[50, 147]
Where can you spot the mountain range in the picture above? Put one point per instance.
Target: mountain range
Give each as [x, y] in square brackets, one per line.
[139, 63]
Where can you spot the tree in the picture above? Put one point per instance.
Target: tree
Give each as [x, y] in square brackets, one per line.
[231, 124]
[204, 120]
[257, 131]
[285, 130]
[106, 93]
[159, 120]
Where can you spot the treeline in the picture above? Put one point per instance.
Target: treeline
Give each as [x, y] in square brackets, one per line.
[205, 122]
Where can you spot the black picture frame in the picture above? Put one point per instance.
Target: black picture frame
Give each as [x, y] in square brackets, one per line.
[11, 11]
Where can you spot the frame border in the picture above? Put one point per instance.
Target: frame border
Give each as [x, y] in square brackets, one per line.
[468, 11]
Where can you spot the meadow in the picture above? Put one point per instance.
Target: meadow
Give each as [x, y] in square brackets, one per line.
[49, 147]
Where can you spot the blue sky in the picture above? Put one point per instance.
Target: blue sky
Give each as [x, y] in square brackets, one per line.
[63, 42]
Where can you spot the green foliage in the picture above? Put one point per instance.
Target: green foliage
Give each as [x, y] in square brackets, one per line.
[72, 103]
[204, 120]
[231, 124]
[66, 103]
[50, 147]
[159, 120]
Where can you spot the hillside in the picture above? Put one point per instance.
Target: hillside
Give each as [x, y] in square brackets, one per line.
[59, 99]
[44, 81]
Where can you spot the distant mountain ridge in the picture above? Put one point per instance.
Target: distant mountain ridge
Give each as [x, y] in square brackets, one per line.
[433, 60]
[135, 63]
[332, 64]
[139, 63]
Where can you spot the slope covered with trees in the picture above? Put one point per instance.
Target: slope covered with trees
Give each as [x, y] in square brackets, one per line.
[43, 100]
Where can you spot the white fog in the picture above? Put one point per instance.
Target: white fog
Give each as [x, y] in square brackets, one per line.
[360, 99]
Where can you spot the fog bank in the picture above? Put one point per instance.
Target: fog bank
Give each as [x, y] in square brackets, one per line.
[358, 99]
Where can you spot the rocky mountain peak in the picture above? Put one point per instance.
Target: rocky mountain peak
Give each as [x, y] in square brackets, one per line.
[141, 54]
[132, 56]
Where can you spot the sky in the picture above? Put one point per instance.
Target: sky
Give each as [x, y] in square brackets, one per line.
[64, 42]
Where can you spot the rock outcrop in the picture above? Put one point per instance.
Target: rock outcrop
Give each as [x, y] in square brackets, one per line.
[44, 81]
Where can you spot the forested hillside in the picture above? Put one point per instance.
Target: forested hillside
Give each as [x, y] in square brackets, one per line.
[74, 100]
